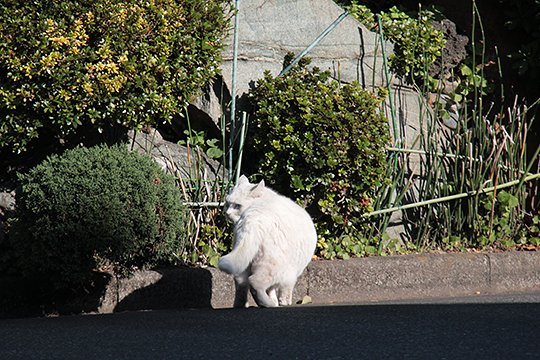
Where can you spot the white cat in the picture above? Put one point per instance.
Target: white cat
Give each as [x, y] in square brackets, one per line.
[274, 240]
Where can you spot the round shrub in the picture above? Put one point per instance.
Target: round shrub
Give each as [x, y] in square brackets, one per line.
[322, 143]
[64, 64]
[92, 207]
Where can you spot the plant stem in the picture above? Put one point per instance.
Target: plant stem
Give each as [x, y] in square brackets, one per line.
[454, 197]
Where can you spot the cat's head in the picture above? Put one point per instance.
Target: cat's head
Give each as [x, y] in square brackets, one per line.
[241, 197]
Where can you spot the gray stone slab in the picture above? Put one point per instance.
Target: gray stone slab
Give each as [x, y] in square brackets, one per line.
[268, 29]
[384, 278]
[340, 281]
[515, 270]
[159, 289]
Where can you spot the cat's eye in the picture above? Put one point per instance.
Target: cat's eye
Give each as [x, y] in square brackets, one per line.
[234, 206]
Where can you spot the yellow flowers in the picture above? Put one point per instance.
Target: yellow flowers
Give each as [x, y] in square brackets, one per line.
[113, 84]
[78, 36]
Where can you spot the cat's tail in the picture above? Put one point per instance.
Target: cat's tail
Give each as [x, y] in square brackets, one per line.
[247, 243]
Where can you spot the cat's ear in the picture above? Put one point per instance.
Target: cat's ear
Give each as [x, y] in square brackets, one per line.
[258, 190]
[243, 180]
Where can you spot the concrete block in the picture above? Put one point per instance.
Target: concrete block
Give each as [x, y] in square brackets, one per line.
[387, 278]
[512, 271]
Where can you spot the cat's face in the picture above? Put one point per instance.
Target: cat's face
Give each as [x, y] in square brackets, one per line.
[241, 197]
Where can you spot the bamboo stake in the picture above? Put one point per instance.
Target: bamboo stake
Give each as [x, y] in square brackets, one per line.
[315, 42]
[203, 204]
[448, 155]
[243, 130]
[454, 197]
[233, 86]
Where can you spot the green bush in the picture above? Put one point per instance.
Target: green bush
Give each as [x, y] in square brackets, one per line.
[417, 44]
[92, 207]
[375, 5]
[322, 143]
[64, 64]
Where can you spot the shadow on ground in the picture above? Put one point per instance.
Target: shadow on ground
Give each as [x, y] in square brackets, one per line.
[149, 290]
[189, 288]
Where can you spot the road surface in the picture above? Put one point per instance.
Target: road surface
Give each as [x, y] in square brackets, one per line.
[459, 330]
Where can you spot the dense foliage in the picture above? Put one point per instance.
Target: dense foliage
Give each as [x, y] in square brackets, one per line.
[91, 207]
[321, 143]
[374, 5]
[417, 44]
[69, 63]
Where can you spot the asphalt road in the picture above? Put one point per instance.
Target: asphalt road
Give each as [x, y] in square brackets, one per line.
[391, 331]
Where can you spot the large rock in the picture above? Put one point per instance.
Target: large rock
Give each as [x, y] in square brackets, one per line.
[454, 52]
[178, 160]
[269, 29]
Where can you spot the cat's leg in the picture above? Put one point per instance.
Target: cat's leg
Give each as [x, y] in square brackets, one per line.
[260, 283]
[286, 286]
[272, 293]
[241, 291]
[285, 295]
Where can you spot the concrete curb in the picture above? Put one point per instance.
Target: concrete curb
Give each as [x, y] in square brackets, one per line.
[420, 276]
[365, 280]
[362, 280]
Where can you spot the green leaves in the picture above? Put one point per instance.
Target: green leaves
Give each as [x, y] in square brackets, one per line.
[472, 81]
[71, 63]
[507, 200]
[212, 147]
[97, 206]
[214, 151]
[321, 143]
[417, 44]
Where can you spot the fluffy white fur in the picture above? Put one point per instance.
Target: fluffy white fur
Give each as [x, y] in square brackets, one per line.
[274, 240]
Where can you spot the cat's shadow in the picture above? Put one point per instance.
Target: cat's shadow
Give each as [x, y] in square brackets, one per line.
[176, 288]
[187, 288]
